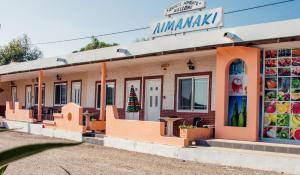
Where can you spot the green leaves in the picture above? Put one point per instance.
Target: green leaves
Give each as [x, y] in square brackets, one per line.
[95, 44]
[2, 169]
[19, 50]
[21, 152]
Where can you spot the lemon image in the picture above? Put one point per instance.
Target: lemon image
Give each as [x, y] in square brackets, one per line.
[295, 121]
[268, 120]
[283, 107]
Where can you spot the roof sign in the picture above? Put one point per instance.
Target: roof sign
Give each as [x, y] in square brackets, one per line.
[185, 6]
[202, 20]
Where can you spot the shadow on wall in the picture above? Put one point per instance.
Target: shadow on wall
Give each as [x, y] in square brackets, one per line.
[145, 131]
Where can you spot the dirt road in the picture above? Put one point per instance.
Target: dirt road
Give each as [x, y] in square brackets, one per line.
[94, 160]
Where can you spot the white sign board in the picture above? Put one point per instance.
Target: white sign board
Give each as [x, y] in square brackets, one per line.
[185, 6]
[207, 19]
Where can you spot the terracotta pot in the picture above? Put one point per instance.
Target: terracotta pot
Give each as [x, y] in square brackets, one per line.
[196, 133]
[97, 125]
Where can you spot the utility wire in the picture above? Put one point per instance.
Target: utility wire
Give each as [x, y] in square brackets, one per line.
[144, 28]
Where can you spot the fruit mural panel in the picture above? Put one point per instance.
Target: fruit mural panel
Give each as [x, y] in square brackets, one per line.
[282, 94]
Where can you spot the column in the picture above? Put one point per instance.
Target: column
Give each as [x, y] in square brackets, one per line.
[103, 92]
[40, 94]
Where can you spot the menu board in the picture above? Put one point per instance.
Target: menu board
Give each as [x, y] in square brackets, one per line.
[282, 94]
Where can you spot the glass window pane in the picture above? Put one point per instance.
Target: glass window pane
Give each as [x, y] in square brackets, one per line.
[57, 94]
[185, 94]
[110, 92]
[36, 95]
[200, 94]
[98, 97]
[63, 94]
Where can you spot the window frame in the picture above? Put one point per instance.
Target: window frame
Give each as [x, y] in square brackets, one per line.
[43, 86]
[109, 82]
[71, 96]
[54, 94]
[192, 110]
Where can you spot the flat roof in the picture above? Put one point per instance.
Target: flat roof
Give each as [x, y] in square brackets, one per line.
[265, 33]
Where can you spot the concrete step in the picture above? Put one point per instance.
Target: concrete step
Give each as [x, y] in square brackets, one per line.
[254, 146]
[94, 140]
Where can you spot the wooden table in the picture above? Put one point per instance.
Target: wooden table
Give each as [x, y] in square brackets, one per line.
[88, 118]
[170, 123]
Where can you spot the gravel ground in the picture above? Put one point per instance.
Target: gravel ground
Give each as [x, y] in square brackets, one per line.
[94, 160]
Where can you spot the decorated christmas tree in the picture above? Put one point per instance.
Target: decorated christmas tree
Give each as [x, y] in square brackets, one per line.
[133, 102]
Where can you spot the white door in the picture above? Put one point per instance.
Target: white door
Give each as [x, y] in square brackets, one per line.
[76, 92]
[13, 95]
[28, 97]
[152, 99]
[136, 84]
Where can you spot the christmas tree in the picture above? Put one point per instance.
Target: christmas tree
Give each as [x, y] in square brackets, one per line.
[133, 102]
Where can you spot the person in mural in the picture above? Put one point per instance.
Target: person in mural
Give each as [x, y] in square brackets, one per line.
[133, 102]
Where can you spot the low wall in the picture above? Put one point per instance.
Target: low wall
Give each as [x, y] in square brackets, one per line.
[70, 119]
[146, 131]
[287, 163]
[18, 114]
[37, 129]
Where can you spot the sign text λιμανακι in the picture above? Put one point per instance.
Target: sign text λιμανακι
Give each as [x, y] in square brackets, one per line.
[207, 19]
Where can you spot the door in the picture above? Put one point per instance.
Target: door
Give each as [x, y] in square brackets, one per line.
[28, 96]
[136, 84]
[152, 99]
[76, 92]
[13, 95]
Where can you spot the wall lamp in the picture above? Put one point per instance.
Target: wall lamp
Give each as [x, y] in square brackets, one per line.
[190, 65]
[58, 77]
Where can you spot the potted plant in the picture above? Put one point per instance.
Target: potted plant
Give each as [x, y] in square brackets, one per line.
[195, 133]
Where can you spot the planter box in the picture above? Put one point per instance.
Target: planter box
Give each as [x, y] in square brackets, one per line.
[97, 125]
[196, 133]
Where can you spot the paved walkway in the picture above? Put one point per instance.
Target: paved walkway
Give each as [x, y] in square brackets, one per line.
[90, 159]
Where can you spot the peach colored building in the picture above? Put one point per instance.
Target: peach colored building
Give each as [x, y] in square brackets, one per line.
[185, 76]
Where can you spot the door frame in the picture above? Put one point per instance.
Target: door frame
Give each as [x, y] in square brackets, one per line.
[161, 77]
[26, 95]
[76, 81]
[141, 115]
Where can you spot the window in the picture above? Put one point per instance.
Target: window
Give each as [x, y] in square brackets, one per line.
[14, 95]
[36, 94]
[192, 95]
[110, 94]
[60, 94]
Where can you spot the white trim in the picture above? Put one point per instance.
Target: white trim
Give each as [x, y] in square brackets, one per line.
[43, 86]
[54, 99]
[97, 95]
[177, 94]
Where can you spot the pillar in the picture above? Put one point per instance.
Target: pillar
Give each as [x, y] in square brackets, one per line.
[40, 94]
[103, 92]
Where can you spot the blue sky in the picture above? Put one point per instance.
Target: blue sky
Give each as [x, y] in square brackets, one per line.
[48, 20]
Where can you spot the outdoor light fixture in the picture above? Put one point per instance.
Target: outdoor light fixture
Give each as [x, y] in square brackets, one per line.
[62, 60]
[124, 51]
[190, 65]
[58, 77]
[164, 66]
[233, 37]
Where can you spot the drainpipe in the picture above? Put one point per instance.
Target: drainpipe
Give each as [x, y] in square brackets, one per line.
[103, 92]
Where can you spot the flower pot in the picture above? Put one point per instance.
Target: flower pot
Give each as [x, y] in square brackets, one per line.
[196, 133]
[97, 125]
